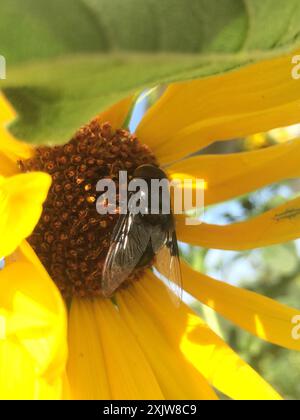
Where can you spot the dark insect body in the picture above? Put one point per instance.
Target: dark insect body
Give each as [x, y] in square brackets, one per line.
[142, 238]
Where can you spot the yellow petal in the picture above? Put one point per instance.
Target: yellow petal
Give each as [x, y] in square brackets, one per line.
[7, 166]
[105, 360]
[7, 113]
[177, 378]
[87, 373]
[17, 377]
[130, 375]
[25, 253]
[33, 338]
[228, 176]
[191, 115]
[11, 150]
[281, 224]
[21, 199]
[117, 114]
[201, 347]
[66, 392]
[261, 316]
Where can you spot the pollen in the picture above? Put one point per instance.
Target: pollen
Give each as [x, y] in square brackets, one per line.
[71, 238]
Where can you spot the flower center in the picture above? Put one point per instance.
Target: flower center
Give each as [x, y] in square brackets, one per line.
[71, 238]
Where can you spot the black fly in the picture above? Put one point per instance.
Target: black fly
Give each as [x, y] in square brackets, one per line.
[138, 239]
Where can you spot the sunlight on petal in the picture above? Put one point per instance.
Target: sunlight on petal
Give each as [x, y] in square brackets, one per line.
[166, 359]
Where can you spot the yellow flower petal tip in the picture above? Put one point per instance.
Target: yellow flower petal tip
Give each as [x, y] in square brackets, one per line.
[21, 200]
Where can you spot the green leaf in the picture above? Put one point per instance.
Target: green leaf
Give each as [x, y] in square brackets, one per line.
[69, 59]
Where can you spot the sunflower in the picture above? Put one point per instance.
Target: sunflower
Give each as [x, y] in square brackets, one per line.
[138, 345]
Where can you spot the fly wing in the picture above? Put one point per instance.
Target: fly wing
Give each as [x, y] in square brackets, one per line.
[129, 242]
[168, 264]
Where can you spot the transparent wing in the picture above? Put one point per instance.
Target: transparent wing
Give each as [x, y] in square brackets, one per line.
[129, 242]
[168, 264]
